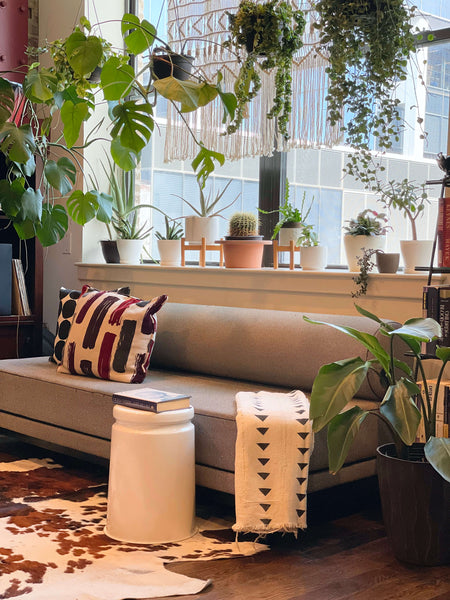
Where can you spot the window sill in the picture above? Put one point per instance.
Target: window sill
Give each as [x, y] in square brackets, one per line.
[393, 295]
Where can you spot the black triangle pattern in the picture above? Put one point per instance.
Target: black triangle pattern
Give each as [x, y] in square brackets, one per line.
[263, 446]
[264, 461]
[262, 430]
[265, 507]
[302, 465]
[265, 521]
[261, 417]
[300, 513]
[301, 497]
[301, 480]
[264, 475]
[303, 434]
[303, 450]
[265, 491]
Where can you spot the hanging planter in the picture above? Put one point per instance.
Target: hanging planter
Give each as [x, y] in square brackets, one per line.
[165, 63]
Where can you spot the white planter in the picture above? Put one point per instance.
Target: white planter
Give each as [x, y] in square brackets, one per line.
[353, 247]
[197, 228]
[416, 253]
[313, 258]
[169, 253]
[130, 251]
[289, 232]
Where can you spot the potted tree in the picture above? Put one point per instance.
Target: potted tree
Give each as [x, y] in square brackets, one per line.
[265, 36]
[243, 247]
[169, 243]
[366, 232]
[414, 477]
[411, 200]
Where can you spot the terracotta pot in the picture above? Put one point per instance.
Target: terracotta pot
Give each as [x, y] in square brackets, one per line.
[416, 507]
[243, 253]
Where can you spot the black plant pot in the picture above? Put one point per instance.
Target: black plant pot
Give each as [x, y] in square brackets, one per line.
[415, 501]
[110, 251]
[176, 65]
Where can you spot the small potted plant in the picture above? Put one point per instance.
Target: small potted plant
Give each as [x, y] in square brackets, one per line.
[411, 200]
[169, 243]
[292, 220]
[366, 232]
[265, 36]
[243, 247]
[313, 256]
[414, 477]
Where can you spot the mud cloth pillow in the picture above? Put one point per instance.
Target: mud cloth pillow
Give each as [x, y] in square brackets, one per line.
[67, 305]
[111, 336]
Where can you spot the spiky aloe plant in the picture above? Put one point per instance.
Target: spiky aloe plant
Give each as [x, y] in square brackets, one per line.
[243, 224]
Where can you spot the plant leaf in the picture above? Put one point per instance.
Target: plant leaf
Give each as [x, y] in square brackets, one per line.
[133, 125]
[105, 203]
[334, 386]
[138, 35]
[61, 175]
[437, 453]
[30, 206]
[40, 85]
[73, 115]
[82, 207]
[204, 162]
[342, 430]
[83, 53]
[11, 196]
[421, 330]
[6, 100]
[54, 224]
[126, 158]
[116, 78]
[191, 94]
[400, 409]
[443, 353]
[17, 142]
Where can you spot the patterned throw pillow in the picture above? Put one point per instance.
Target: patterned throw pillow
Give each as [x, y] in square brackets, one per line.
[111, 336]
[67, 305]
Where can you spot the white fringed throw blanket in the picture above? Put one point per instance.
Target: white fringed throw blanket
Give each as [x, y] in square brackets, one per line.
[274, 442]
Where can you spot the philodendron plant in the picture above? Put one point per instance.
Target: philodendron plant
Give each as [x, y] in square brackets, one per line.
[337, 383]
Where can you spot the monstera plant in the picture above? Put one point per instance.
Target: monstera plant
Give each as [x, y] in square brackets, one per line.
[66, 92]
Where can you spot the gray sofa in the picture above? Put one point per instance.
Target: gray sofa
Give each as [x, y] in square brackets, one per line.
[210, 352]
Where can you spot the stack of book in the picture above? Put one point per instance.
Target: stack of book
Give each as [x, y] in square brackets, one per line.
[442, 409]
[436, 305]
[151, 400]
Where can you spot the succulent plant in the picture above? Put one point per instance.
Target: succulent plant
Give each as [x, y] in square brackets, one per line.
[243, 224]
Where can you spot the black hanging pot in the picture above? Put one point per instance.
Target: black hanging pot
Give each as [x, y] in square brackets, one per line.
[415, 501]
[110, 251]
[166, 64]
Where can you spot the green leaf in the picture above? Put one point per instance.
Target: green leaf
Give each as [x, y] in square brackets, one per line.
[25, 229]
[73, 116]
[203, 163]
[17, 142]
[437, 453]
[229, 103]
[82, 207]
[126, 158]
[400, 409]
[61, 175]
[443, 353]
[40, 85]
[30, 206]
[11, 196]
[53, 226]
[105, 204]
[334, 386]
[191, 94]
[83, 53]
[342, 430]
[6, 100]
[133, 125]
[421, 330]
[138, 35]
[116, 78]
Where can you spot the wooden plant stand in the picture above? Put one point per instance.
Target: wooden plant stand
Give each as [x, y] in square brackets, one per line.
[292, 249]
[203, 247]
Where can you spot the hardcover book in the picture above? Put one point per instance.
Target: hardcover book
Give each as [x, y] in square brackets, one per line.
[152, 400]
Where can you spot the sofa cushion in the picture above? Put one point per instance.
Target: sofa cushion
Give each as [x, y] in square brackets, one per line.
[111, 336]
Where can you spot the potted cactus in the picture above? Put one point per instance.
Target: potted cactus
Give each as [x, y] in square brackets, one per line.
[243, 246]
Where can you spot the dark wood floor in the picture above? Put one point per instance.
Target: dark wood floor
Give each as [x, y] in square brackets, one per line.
[342, 554]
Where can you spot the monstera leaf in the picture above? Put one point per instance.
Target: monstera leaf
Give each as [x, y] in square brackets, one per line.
[138, 35]
[61, 175]
[54, 224]
[82, 207]
[40, 85]
[133, 124]
[6, 100]
[17, 143]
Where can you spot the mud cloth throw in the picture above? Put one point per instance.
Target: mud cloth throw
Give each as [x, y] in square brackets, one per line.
[273, 445]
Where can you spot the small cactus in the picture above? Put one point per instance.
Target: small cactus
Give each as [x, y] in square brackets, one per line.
[243, 224]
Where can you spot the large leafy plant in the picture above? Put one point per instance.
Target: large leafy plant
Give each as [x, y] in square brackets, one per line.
[65, 93]
[337, 383]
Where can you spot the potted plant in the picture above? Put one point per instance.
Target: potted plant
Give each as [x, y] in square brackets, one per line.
[292, 220]
[167, 63]
[414, 477]
[366, 232]
[169, 243]
[243, 247]
[265, 36]
[367, 44]
[313, 256]
[410, 199]
[205, 222]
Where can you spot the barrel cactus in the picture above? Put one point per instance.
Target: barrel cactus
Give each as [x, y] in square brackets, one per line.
[243, 224]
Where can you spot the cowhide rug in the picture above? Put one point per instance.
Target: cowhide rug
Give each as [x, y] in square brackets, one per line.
[52, 544]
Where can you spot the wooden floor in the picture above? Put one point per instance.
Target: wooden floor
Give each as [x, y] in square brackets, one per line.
[342, 554]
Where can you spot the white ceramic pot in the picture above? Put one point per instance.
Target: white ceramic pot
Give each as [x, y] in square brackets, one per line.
[416, 253]
[130, 251]
[313, 258]
[289, 231]
[197, 228]
[169, 253]
[355, 243]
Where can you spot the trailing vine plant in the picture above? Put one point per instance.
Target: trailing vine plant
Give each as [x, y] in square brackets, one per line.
[265, 36]
[368, 43]
[366, 265]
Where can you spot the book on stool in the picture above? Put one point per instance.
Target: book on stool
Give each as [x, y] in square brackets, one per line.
[152, 400]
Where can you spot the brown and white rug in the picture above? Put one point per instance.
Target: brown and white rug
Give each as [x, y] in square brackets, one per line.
[52, 544]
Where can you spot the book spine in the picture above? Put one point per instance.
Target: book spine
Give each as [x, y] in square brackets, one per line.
[430, 309]
[444, 317]
[443, 232]
[446, 418]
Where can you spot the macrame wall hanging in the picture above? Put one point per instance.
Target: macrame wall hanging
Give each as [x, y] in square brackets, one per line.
[199, 28]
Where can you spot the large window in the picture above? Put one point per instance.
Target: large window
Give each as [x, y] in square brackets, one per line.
[317, 173]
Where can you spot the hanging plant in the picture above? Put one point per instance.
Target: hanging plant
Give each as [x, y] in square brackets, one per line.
[265, 36]
[368, 43]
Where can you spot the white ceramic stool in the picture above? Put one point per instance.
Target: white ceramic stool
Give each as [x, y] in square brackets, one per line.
[151, 495]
